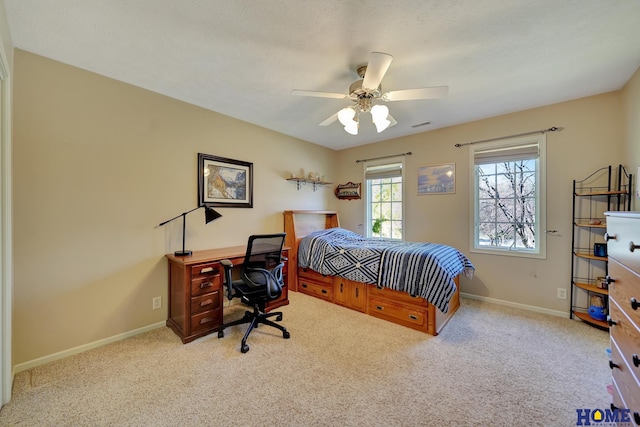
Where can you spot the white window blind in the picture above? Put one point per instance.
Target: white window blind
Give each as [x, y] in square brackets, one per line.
[506, 154]
[391, 170]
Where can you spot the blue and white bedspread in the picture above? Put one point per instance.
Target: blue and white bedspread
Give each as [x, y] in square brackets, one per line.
[421, 269]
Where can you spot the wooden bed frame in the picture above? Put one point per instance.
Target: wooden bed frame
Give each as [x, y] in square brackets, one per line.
[394, 306]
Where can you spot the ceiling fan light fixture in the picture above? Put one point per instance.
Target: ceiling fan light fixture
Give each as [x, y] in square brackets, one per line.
[346, 116]
[379, 114]
[352, 128]
[382, 124]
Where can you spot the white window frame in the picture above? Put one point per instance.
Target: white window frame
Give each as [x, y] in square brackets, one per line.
[540, 198]
[367, 193]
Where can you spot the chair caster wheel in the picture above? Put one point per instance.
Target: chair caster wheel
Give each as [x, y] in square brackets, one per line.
[279, 318]
[220, 334]
[286, 335]
[244, 348]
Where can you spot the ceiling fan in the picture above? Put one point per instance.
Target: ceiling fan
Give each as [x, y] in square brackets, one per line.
[367, 93]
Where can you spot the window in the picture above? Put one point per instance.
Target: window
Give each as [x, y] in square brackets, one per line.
[509, 196]
[384, 197]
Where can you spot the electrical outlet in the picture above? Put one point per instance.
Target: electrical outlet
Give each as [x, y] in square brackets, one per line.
[562, 293]
[157, 303]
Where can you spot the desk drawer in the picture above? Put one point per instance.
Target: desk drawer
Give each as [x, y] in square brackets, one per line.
[206, 321]
[318, 290]
[307, 273]
[205, 302]
[205, 269]
[205, 285]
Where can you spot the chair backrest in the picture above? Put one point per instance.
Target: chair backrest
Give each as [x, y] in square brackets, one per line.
[263, 263]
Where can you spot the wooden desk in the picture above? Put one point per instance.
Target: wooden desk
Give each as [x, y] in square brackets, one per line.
[196, 290]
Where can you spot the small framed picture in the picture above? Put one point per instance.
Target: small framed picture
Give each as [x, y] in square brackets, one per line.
[348, 191]
[438, 179]
[224, 182]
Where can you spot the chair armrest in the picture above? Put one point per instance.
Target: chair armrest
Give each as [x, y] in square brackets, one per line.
[227, 265]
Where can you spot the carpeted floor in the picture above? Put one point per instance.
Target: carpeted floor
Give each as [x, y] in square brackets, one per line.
[491, 366]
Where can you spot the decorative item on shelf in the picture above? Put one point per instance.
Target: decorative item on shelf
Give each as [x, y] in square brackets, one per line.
[601, 282]
[209, 215]
[597, 309]
[595, 222]
[348, 191]
[600, 249]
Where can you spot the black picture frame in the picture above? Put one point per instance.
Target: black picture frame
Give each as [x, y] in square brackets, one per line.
[224, 182]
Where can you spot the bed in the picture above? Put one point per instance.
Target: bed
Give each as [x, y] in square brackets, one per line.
[412, 284]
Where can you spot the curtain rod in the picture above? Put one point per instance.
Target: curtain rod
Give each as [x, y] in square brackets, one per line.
[385, 157]
[551, 129]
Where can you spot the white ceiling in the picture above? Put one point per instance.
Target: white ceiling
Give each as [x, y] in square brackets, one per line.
[242, 58]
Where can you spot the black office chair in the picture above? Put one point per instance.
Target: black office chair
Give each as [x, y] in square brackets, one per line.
[261, 281]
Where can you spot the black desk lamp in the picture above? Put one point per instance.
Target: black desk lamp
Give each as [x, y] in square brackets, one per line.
[209, 215]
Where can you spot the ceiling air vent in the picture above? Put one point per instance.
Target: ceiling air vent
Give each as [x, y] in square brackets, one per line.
[421, 124]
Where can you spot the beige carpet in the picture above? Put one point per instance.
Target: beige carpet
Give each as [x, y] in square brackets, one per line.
[491, 366]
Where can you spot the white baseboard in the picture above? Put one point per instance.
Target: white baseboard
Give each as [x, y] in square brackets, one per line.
[85, 347]
[516, 305]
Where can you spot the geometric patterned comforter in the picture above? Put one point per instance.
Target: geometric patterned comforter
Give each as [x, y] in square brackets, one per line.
[420, 269]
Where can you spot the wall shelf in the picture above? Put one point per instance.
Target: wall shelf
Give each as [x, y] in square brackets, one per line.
[303, 181]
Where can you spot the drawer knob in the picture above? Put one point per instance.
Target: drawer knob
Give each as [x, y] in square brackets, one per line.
[413, 317]
[304, 285]
[610, 321]
[608, 237]
[205, 285]
[634, 303]
[633, 246]
[636, 360]
[379, 307]
[206, 270]
[324, 291]
[613, 365]
[206, 320]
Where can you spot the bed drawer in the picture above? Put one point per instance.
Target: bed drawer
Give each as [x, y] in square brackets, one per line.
[402, 314]
[397, 296]
[319, 290]
[307, 273]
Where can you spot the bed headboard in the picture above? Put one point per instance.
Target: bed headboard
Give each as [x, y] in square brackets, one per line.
[298, 224]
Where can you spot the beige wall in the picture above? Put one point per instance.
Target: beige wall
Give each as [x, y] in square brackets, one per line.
[631, 114]
[592, 137]
[97, 165]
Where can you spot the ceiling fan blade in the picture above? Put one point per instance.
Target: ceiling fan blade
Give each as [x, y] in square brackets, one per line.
[392, 120]
[413, 94]
[298, 92]
[376, 69]
[329, 120]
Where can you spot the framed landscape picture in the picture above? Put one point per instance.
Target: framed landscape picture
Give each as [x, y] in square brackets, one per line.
[438, 179]
[224, 182]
